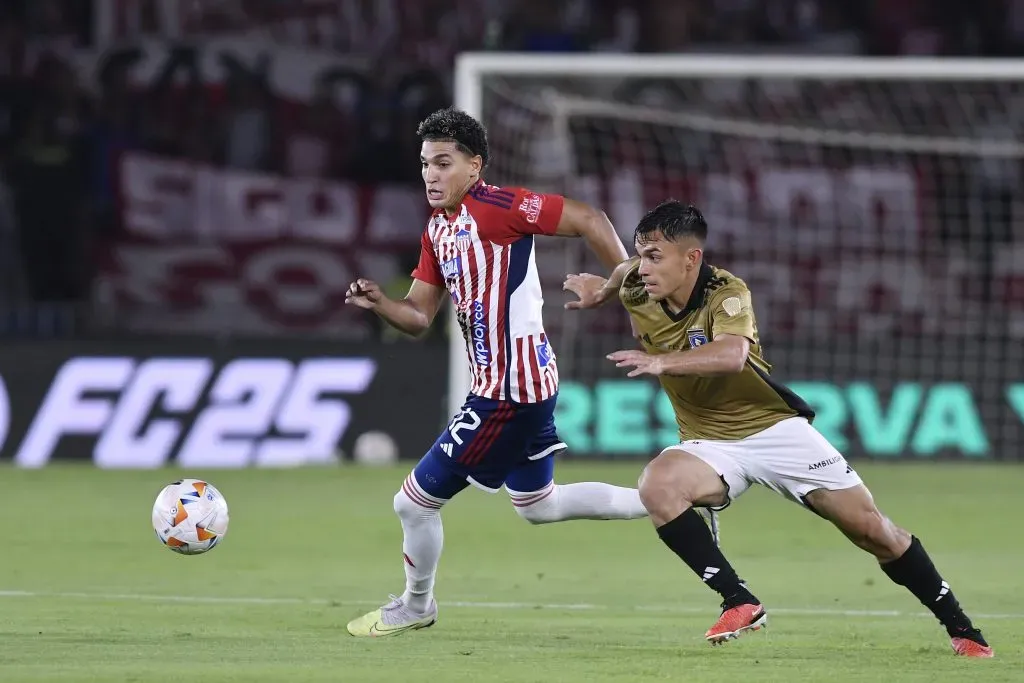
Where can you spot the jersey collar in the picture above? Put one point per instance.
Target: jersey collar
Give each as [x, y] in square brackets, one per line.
[471, 192]
[696, 296]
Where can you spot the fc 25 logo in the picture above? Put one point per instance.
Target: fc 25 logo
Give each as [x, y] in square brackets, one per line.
[253, 411]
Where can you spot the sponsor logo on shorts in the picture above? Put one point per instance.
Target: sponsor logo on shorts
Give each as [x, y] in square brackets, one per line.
[825, 463]
[478, 333]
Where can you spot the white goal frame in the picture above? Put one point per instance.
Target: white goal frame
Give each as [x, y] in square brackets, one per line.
[472, 68]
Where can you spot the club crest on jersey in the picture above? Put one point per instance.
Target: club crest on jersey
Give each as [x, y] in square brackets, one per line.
[451, 268]
[478, 334]
[463, 239]
[531, 206]
[543, 353]
[696, 337]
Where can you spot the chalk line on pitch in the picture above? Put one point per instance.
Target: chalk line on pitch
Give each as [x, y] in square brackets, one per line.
[670, 609]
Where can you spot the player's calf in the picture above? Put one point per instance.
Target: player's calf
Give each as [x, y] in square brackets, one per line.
[583, 500]
[422, 542]
[853, 511]
[539, 500]
[423, 538]
[670, 486]
[903, 559]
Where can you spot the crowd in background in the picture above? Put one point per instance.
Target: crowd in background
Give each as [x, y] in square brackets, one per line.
[62, 128]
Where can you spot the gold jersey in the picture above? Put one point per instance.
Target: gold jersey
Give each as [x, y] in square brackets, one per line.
[722, 407]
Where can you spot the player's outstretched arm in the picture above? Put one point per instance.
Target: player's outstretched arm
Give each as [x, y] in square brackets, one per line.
[594, 290]
[411, 315]
[726, 355]
[583, 220]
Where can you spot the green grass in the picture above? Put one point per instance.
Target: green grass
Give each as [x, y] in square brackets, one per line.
[593, 601]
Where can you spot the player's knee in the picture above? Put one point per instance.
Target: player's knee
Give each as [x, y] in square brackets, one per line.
[678, 478]
[665, 490]
[537, 510]
[537, 514]
[653, 487]
[403, 504]
[407, 508]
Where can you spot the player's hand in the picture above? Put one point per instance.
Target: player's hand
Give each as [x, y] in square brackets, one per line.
[589, 288]
[364, 294]
[642, 362]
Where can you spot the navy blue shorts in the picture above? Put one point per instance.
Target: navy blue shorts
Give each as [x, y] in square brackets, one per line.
[493, 443]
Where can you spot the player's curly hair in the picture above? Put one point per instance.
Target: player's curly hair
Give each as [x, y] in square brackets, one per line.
[675, 220]
[455, 125]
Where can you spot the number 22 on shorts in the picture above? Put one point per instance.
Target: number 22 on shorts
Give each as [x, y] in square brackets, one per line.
[466, 420]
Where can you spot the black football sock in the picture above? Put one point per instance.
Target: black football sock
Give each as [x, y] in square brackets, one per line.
[914, 571]
[688, 537]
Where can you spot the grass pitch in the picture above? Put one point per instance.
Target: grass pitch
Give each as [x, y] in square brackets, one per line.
[88, 594]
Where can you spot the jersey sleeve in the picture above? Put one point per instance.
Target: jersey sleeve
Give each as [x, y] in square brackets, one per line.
[732, 312]
[632, 294]
[428, 269]
[528, 213]
[631, 291]
[536, 214]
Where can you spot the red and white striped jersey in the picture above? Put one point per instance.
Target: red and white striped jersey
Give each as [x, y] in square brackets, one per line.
[484, 257]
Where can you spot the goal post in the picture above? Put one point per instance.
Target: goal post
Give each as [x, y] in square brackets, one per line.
[871, 203]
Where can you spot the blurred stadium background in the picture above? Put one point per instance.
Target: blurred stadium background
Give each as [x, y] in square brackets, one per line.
[215, 173]
[187, 187]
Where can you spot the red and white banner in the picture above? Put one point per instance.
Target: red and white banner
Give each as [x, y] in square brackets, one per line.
[206, 249]
[169, 200]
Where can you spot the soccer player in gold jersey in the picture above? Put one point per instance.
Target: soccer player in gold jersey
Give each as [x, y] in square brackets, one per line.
[739, 426]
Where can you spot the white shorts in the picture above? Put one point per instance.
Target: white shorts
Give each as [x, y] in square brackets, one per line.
[791, 458]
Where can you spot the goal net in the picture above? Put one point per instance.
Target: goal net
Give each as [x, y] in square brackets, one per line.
[872, 206]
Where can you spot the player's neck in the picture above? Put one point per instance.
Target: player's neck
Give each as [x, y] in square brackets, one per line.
[451, 211]
[677, 300]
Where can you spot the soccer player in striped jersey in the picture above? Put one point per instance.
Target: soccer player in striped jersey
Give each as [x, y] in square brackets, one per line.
[478, 249]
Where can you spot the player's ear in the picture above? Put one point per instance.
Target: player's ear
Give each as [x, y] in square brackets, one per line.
[476, 164]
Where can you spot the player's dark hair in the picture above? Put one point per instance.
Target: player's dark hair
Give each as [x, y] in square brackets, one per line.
[454, 125]
[674, 220]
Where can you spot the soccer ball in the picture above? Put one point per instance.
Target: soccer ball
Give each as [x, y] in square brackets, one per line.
[190, 516]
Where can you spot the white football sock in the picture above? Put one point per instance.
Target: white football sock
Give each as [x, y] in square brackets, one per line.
[423, 539]
[585, 500]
